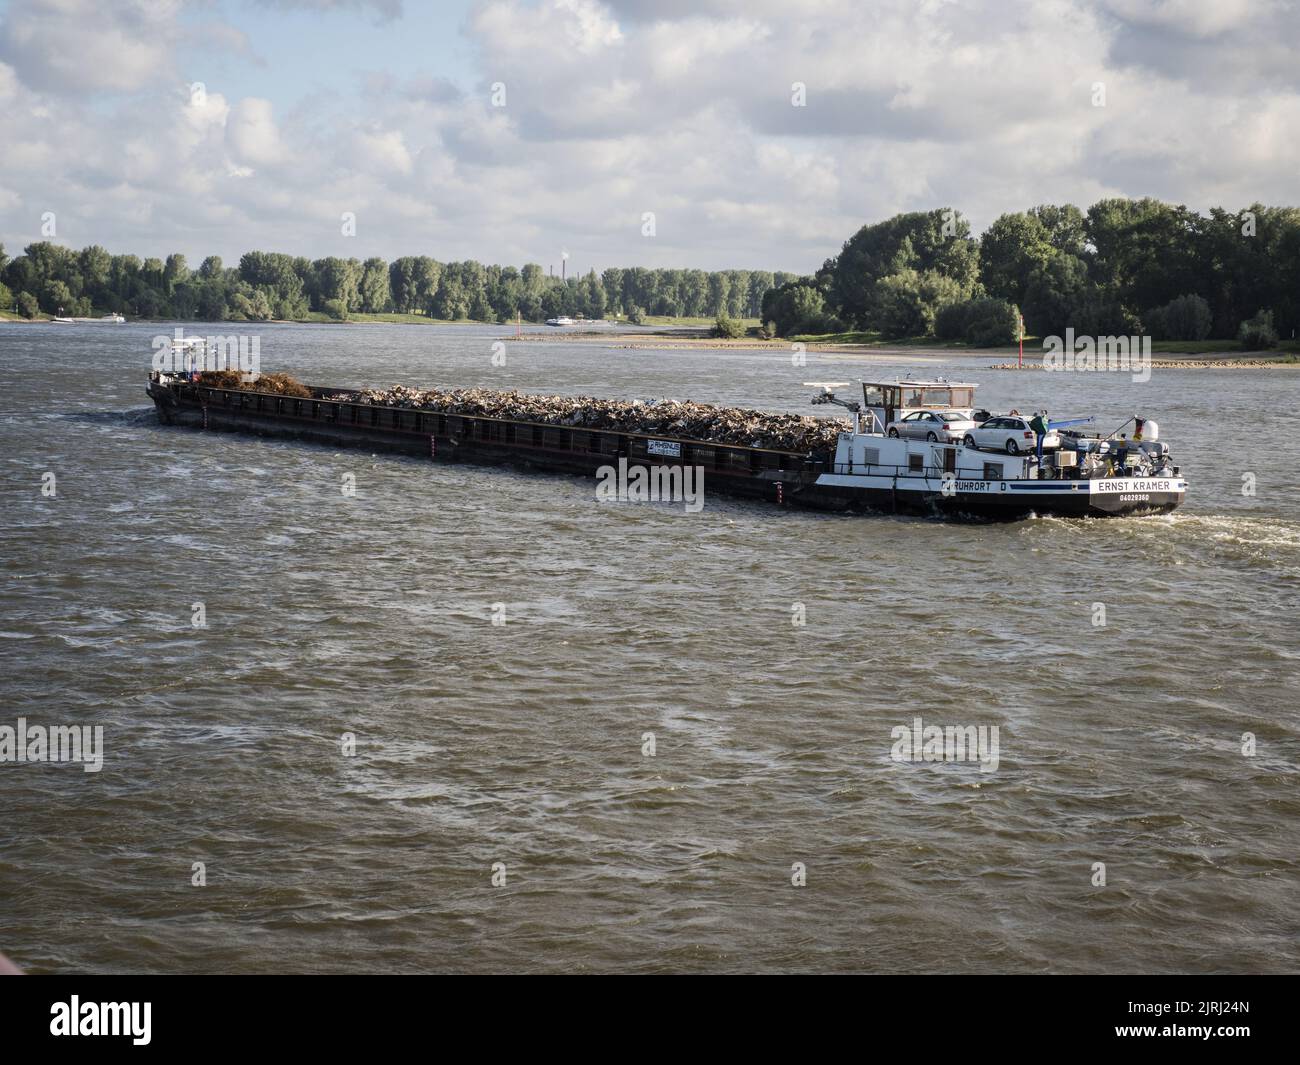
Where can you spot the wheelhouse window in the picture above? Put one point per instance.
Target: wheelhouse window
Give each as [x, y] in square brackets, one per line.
[915, 463]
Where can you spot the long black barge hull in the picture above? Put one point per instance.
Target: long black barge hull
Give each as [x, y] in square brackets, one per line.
[778, 477]
[731, 469]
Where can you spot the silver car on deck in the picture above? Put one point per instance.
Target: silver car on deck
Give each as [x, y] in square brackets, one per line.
[941, 426]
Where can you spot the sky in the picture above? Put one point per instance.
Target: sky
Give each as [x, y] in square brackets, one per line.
[713, 134]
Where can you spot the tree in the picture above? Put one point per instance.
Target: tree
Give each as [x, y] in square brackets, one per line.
[612, 281]
[1011, 249]
[1061, 296]
[175, 271]
[759, 282]
[336, 279]
[984, 322]
[374, 290]
[1063, 226]
[796, 307]
[95, 266]
[426, 278]
[592, 296]
[1185, 318]
[56, 297]
[728, 328]
[905, 303]
[719, 293]
[27, 305]
[1257, 332]
[401, 284]
[936, 242]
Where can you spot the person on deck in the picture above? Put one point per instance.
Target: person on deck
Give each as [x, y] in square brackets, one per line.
[1038, 423]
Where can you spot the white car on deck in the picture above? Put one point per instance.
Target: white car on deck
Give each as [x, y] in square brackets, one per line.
[946, 426]
[1009, 433]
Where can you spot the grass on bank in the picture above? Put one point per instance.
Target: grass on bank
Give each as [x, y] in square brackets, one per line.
[870, 338]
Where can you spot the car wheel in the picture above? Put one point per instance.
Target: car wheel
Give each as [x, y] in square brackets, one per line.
[969, 441]
[932, 438]
[893, 433]
[1013, 448]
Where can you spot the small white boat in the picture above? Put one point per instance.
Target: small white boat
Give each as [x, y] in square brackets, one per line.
[562, 320]
[112, 318]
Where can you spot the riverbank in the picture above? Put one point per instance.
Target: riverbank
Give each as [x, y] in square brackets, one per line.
[664, 334]
[909, 350]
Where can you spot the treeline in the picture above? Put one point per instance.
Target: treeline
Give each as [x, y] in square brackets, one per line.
[1125, 267]
[56, 280]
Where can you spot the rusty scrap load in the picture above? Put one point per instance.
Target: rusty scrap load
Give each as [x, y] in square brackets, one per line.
[694, 421]
[279, 383]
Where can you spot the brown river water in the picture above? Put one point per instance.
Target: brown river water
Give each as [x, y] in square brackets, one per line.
[520, 750]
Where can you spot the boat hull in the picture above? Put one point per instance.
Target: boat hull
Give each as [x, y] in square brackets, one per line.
[783, 478]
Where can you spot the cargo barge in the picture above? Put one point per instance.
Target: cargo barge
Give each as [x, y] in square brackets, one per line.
[868, 468]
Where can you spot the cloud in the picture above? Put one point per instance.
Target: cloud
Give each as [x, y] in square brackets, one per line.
[385, 9]
[251, 134]
[67, 46]
[616, 109]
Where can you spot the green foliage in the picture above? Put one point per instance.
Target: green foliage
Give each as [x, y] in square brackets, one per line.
[1257, 332]
[636, 316]
[931, 243]
[6, 297]
[904, 304]
[1092, 272]
[798, 307]
[1062, 296]
[27, 305]
[1184, 318]
[336, 309]
[1011, 250]
[729, 328]
[984, 322]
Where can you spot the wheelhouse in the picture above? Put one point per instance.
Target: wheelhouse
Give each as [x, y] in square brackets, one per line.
[883, 401]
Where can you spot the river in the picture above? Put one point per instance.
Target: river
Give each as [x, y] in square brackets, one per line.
[650, 766]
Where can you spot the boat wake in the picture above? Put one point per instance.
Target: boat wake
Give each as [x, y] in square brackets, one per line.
[135, 416]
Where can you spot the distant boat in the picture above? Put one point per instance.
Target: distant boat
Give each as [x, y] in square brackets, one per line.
[112, 318]
[101, 318]
[562, 320]
[64, 321]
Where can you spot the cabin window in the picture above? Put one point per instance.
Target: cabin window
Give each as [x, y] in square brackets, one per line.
[871, 456]
[915, 463]
[992, 471]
